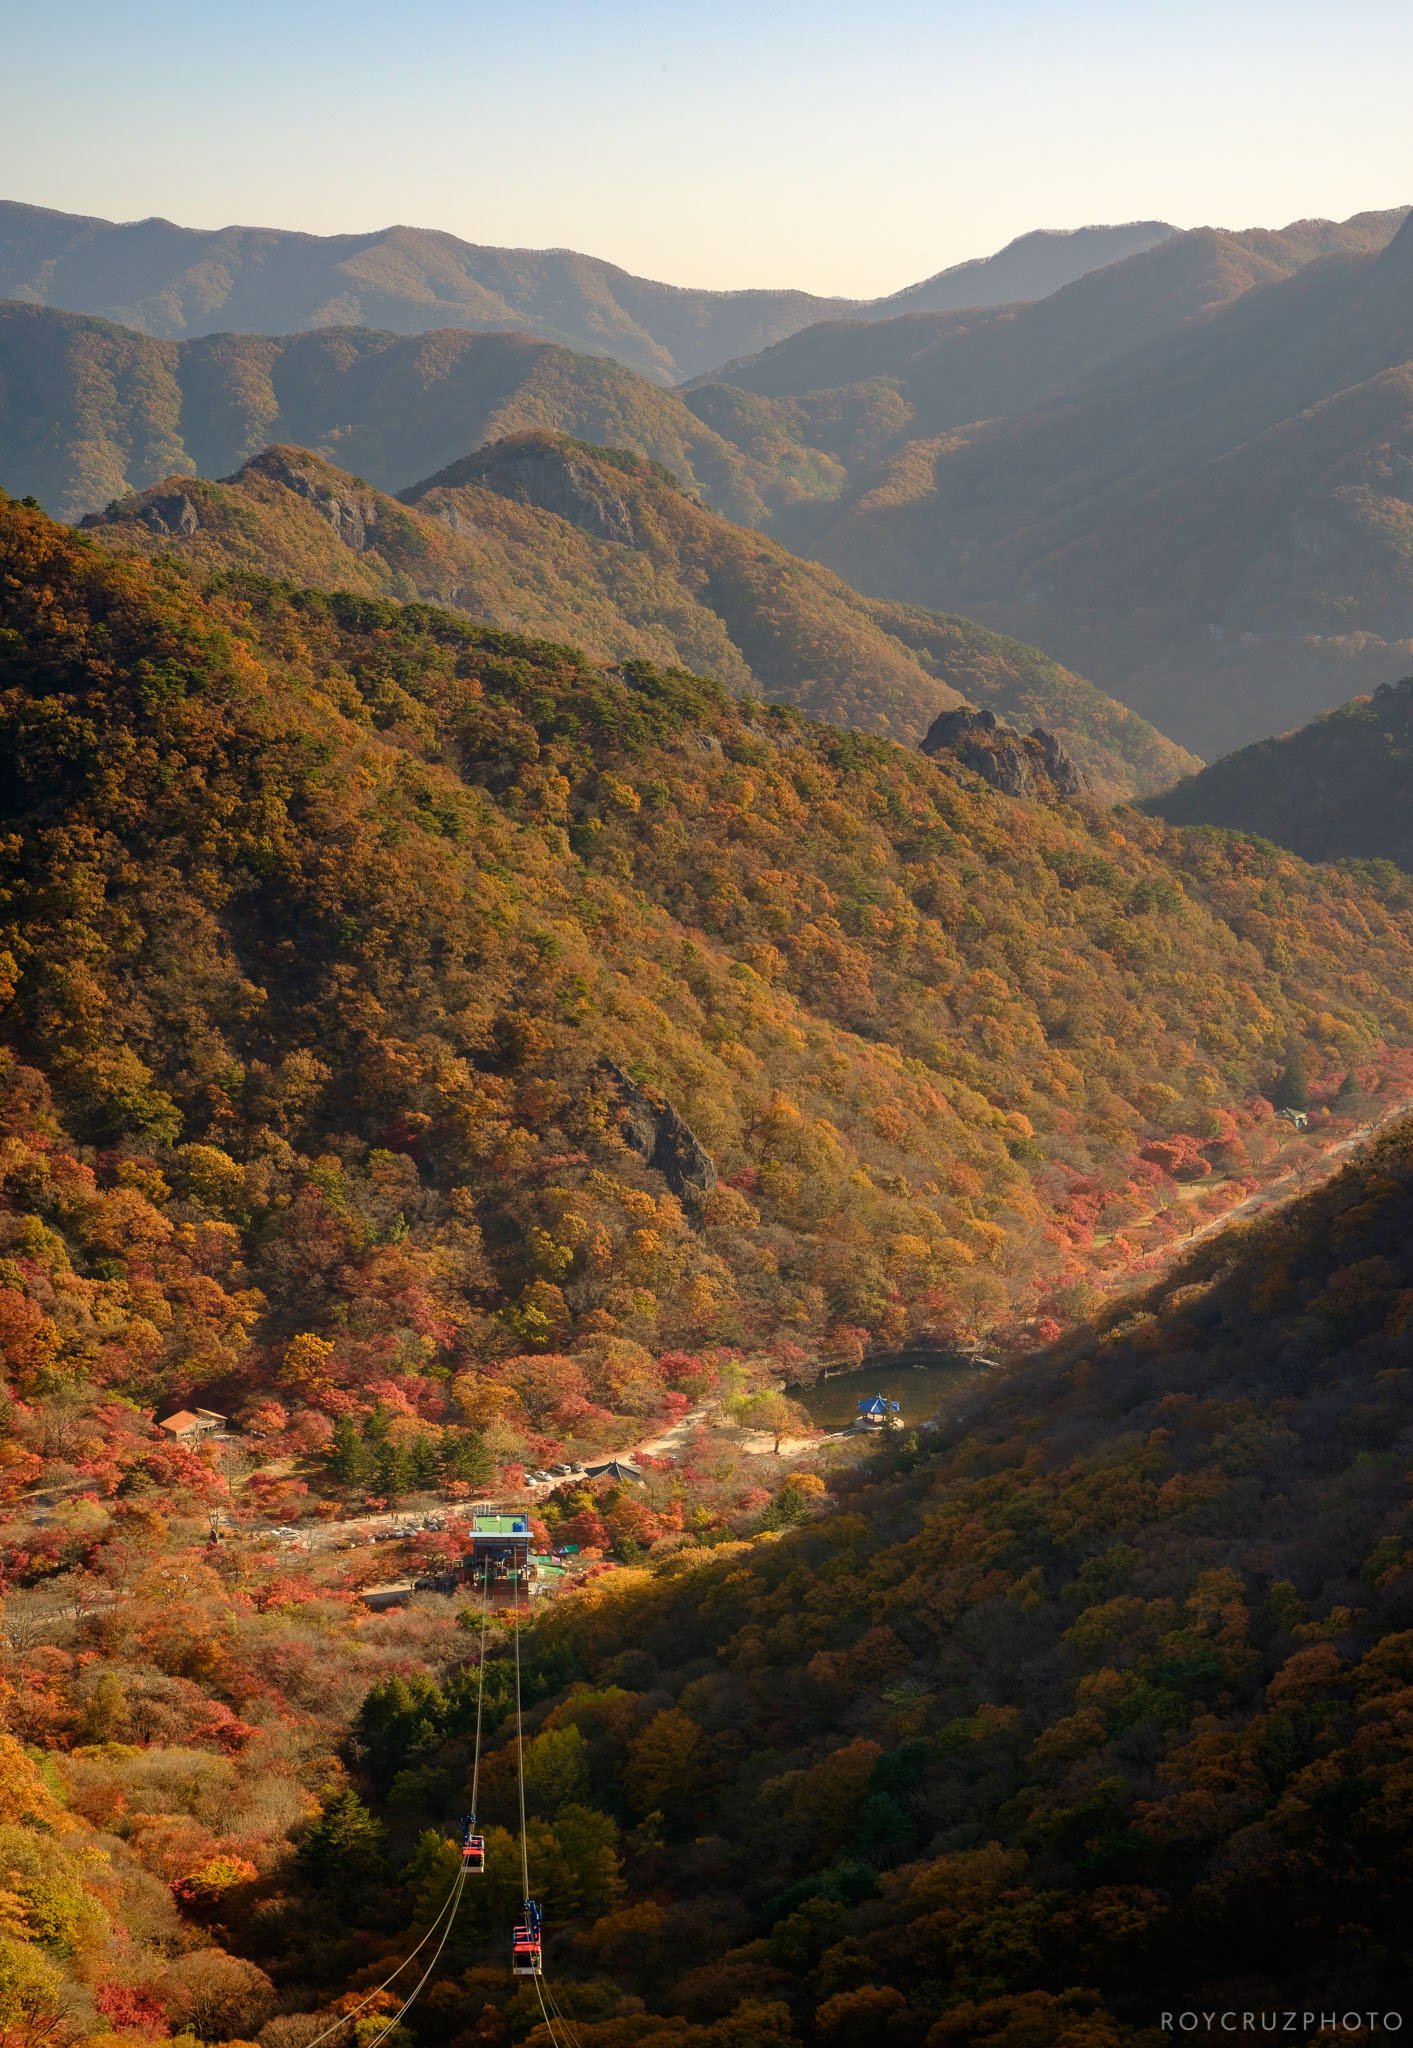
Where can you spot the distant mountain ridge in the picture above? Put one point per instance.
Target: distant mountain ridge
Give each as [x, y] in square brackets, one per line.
[172, 282]
[1185, 475]
[959, 365]
[90, 410]
[544, 535]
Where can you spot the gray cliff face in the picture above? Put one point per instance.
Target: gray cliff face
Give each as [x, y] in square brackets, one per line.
[352, 514]
[1017, 764]
[173, 513]
[536, 472]
[651, 1127]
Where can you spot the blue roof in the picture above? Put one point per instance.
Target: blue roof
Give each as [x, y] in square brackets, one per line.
[878, 1406]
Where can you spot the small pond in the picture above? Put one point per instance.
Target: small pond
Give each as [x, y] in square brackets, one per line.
[923, 1384]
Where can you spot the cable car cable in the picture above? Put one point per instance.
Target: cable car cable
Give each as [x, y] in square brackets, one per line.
[549, 2023]
[481, 1687]
[520, 1749]
[452, 1899]
[344, 2019]
[460, 1879]
[415, 1993]
[473, 1845]
[559, 2015]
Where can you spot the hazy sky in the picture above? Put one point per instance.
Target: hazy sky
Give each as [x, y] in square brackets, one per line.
[822, 143]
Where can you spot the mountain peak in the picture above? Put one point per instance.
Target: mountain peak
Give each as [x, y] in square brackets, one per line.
[1030, 267]
[1397, 253]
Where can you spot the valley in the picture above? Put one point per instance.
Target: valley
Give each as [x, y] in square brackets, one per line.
[706, 1045]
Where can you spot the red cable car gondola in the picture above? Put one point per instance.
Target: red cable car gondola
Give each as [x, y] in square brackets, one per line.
[525, 1958]
[473, 1848]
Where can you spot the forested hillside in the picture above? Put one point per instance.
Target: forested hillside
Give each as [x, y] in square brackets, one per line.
[341, 907]
[436, 1050]
[706, 1030]
[1089, 1707]
[172, 281]
[597, 547]
[1338, 789]
[89, 411]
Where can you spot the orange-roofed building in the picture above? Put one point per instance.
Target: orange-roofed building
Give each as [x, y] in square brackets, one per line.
[189, 1423]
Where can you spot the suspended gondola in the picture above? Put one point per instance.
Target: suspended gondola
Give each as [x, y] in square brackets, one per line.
[526, 1959]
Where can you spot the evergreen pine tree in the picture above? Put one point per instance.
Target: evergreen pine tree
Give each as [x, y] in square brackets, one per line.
[348, 1454]
[464, 1456]
[343, 1848]
[1291, 1089]
[424, 1462]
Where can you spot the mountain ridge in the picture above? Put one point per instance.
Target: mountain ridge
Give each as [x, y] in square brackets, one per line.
[1185, 473]
[90, 410]
[1211, 523]
[160, 278]
[538, 533]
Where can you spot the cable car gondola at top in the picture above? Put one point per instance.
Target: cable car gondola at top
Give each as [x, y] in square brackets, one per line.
[473, 1848]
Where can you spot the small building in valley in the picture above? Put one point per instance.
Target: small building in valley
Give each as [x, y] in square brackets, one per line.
[189, 1424]
[615, 1469]
[395, 1593]
[498, 1562]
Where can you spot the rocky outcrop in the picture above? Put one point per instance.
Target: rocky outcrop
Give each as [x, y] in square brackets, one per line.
[353, 514]
[1018, 764]
[171, 513]
[651, 1127]
[552, 474]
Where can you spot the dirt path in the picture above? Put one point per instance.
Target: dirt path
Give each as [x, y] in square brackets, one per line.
[1299, 1181]
[669, 1444]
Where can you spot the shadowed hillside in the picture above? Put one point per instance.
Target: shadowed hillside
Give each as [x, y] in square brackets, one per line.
[957, 366]
[1340, 789]
[1212, 523]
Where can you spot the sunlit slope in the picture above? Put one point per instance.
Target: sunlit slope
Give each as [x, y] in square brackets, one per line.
[300, 876]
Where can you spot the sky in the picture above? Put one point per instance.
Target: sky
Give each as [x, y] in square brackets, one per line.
[837, 147]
